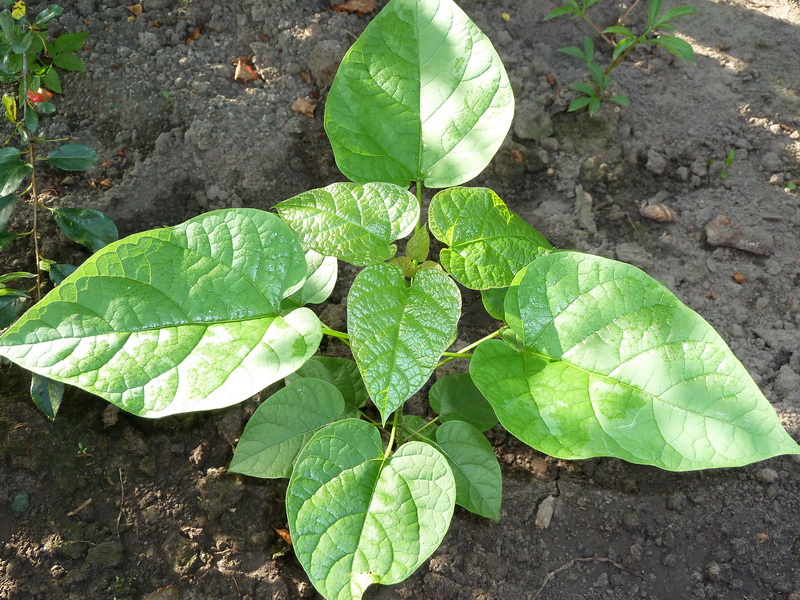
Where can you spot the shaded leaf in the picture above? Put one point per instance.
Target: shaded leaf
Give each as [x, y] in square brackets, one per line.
[399, 331]
[281, 426]
[10, 307]
[341, 372]
[6, 239]
[487, 243]
[176, 319]
[355, 223]
[47, 395]
[68, 62]
[455, 398]
[87, 226]
[611, 363]
[493, 301]
[73, 157]
[7, 204]
[358, 517]
[421, 96]
[319, 283]
[13, 170]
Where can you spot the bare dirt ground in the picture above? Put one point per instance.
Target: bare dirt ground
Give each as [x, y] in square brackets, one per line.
[120, 507]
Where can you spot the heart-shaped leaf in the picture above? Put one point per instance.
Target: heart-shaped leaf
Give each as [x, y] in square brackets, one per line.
[358, 517]
[421, 96]
[87, 226]
[398, 331]
[455, 397]
[340, 372]
[356, 223]
[281, 426]
[176, 319]
[611, 363]
[487, 243]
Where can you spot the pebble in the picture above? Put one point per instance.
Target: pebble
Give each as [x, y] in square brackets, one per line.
[20, 503]
[660, 213]
[722, 231]
[771, 161]
[656, 162]
[766, 475]
[544, 514]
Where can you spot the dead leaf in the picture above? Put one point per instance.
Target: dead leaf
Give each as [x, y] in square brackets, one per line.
[285, 535]
[156, 24]
[192, 36]
[245, 73]
[712, 295]
[306, 77]
[105, 182]
[106, 163]
[517, 156]
[360, 7]
[135, 10]
[739, 277]
[305, 106]
[761, 537]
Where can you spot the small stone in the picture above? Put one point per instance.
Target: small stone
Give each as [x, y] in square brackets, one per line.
[670, 560]
[324, 60]
[787, 382]
[676, 501]
[700, 167]
[766, 475]
[771, 161]
[683, 173]
[656, 162]
[20, 503]
[105, 555]
[724, 232]
[550, 144]
[660, 213]
[57, 571]
[544, 514]
[531, 121]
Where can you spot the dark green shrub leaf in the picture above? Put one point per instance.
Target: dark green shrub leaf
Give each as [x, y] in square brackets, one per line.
[341, 372]
[13, 171]
[68, 62]
[281, 426]
[399, 331]
[59, 272]
[47, 395]
[6, 239]
[557, 12]
[455, 398]
[7, 204]
[176, 319]
[10, 307]
[46, 108]
[7, 24]
[52, 81]
[47, 14]
[87, 226]
[611, 363]
[421, 96]
[21, 43]
[355, 223]
[70, 42]
[31, 120]
[487, 243]
[358, 517]
[73, 157]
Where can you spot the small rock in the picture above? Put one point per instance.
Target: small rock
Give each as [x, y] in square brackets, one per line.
[771, 161]
[676, 501]
[531, 121]
[787, 383]
[700, 167]
[324, 62]
[683, 173]
[656, 162]
[57, 571]
[544, 514]
[766, 475]
[723, 232]
[105, 555]
[658, 212]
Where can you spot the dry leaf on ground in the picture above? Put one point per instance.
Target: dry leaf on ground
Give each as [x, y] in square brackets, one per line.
[305, 106]
[245, 73]
[360, 7]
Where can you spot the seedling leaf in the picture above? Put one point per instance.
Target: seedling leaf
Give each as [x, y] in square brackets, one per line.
[355, 223]
[398, 331]
[358, 517]
[611, 363]
[281, 426]
[87, 226]
[487, 243]
[421, 96]
[177, 319]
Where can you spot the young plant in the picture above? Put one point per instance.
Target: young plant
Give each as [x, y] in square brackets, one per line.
[595, 358]
[29, 63]
[729, 158]
[622, 40]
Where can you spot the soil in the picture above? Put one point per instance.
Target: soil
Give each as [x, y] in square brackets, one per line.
[101, 505]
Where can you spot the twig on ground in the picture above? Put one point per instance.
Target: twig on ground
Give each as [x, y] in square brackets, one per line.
[551, 575]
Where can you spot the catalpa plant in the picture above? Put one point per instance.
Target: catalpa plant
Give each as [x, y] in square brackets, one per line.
[594, 357]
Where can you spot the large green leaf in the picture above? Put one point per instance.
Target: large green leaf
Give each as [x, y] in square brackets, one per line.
[398, 331]
[356, 223]
[177, 319]
[610, 363]
[358, 517]
[341, 372]
[455, 398]
[487, 243]
[281, 426]
[421, 95]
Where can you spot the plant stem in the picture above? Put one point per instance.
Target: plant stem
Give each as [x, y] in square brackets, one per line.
[606, 39]
[622, 19]
[33, 192]
[464, 352]
[395, 427]
[342, 337]
[419, 204]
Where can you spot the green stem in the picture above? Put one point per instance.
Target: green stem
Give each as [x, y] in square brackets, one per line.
[333, 333]
[457, 354]
[463, 353]
[419, 204]
[395, 427]
[606, 39]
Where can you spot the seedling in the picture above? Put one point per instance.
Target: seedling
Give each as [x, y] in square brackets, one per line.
[729, 158]
[622, 40]
[29, 64]
[595, 357]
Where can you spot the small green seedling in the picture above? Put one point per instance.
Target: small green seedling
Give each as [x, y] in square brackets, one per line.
[594, 357]
[791, 186]
[729, 158]
[29, 65]
[622, 40]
